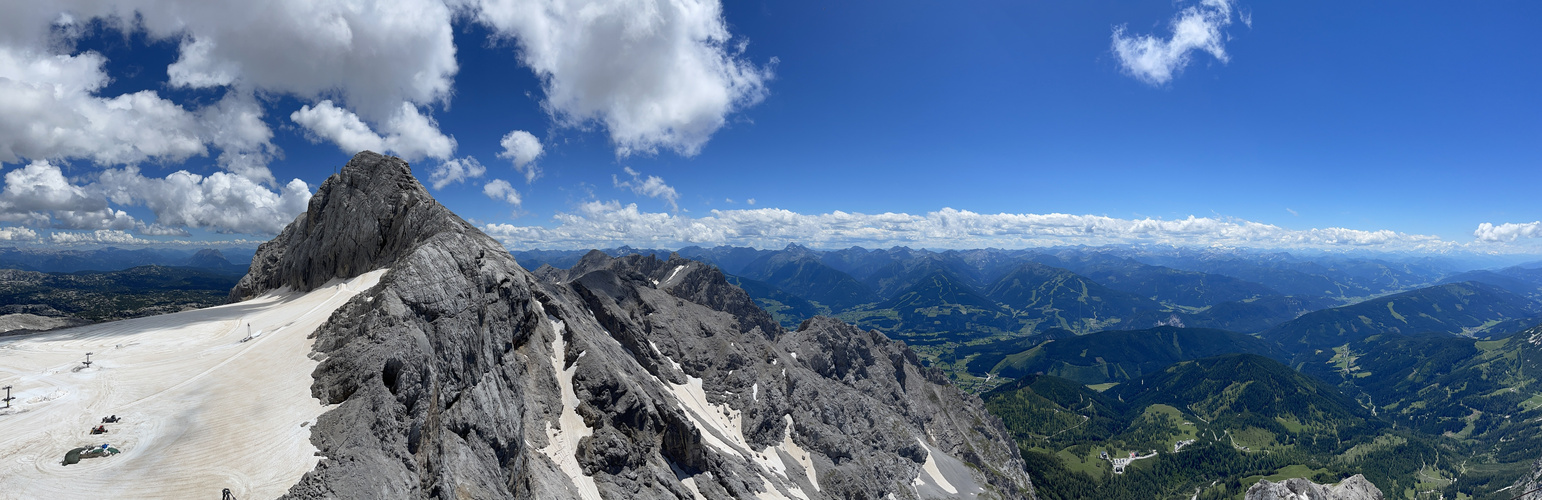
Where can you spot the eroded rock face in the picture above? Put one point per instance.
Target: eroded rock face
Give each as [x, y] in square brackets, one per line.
[464, 376]
[1352, 488]
[1529, 487]
[363, 218]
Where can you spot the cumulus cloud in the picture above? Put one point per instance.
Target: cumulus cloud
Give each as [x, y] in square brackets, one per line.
[41, 186]
[98, 237]
[220, 202]
[521, 148]
[39, 195]
[410, 134]
[48, 109]
[653, 187]
[123, 238]
[386, 61]
[1507, 232]
[1156, 61]
[235, 125]
[342, 127]
[499, 189]
[656, 73]
[456, 170]
[602, 224]
[17, 234]
[373, 55]
[159, 230]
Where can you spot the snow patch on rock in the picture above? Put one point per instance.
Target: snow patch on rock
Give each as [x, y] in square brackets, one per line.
[562, 443]
[932, 474]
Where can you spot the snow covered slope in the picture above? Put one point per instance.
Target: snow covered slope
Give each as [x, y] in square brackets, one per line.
[458, 374]
[201, 410]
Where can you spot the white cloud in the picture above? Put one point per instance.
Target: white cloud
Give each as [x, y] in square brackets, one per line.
[41, 186]
[159, 230]
[48, 110]
[456, 170]
[501, 190]
[98, 237]
[521, 148]
[235, 125]
[373, 54]
[220, 201]
[17, 234]
[653, 187]
[342, 127]
[410, 134]
[1197, 27]
[39, 195]
[387, 60]
[1507, 232]
[655, 73]
[602, 224]
[384, 59]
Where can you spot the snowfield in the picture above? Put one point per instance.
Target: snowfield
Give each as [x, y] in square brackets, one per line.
[201, 409]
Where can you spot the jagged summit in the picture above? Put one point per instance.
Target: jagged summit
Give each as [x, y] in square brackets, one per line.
[1355, 487]
[462, 375]
[363, 218]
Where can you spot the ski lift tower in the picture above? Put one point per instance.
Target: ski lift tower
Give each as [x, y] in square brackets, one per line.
[8, 397]
[88, 359]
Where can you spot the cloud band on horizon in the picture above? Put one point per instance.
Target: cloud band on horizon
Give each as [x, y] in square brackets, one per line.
[599, 224]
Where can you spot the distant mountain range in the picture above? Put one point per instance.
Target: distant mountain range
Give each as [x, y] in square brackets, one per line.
[89, 296]
[1118, 356]
[967, 310]
[1467, 308]
[1471, 390]
[1206, 425]
[1409, 371]
[1520, 280]
[50, 260]
[939, 293]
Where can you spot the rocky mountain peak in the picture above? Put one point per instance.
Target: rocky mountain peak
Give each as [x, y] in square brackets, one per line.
[461, 375]
[1355, 487]
[363, 218]
[208, 257]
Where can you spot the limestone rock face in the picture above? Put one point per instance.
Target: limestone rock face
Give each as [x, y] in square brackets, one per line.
[1353, 488]
[461, 375]
[362, 219]
[1529, 487]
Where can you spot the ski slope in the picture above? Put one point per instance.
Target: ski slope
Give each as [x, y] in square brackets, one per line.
[201, 409]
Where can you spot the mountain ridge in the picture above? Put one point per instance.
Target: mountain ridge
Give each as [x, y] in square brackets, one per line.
[1439, 308]
[464, 375]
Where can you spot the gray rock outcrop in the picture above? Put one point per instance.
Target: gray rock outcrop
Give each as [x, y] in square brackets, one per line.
[461, 375]
[1355, 487]
[1529, 487]
[366, 217]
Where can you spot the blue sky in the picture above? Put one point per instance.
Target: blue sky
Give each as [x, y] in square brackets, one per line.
[1280, 125]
